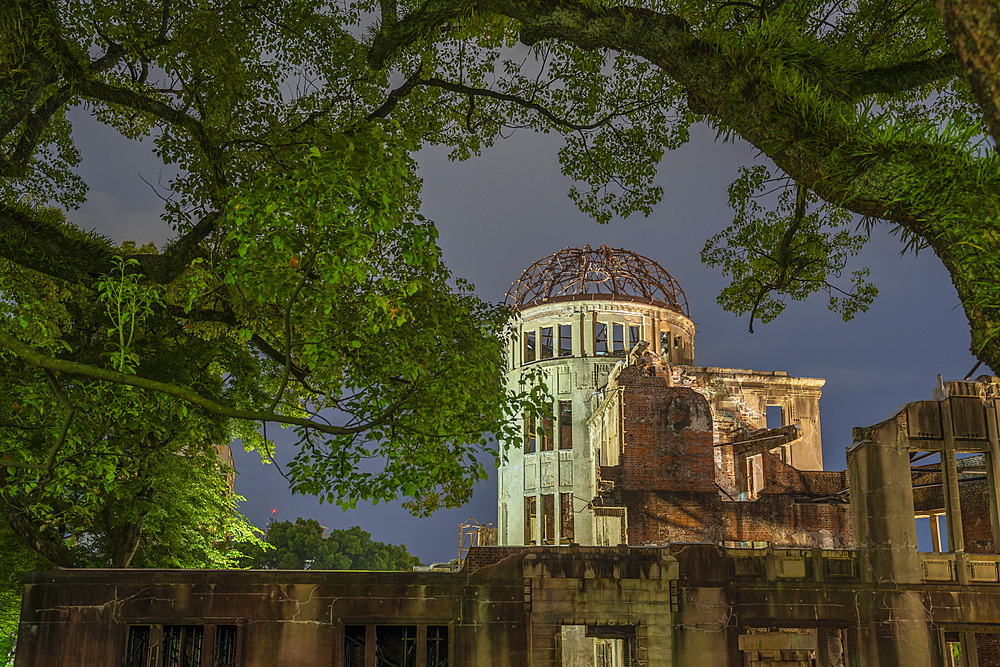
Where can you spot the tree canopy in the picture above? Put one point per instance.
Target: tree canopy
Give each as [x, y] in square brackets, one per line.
[303, 288]
[301, 545]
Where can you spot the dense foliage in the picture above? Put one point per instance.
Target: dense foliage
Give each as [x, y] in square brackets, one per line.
[301, 545]
[16, 560]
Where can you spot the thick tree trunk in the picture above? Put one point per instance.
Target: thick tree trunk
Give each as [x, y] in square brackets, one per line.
[973, 30]
[54, 549]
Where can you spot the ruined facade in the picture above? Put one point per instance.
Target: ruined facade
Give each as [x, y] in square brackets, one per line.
[698, 536]
[584, 316]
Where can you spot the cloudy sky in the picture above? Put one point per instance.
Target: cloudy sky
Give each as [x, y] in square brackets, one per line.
[499, 213]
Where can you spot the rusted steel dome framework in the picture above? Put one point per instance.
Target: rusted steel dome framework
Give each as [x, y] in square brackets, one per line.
[604, 273]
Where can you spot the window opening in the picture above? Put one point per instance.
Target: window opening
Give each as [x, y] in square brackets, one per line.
[633, 336]
[137, 646]
[546, 342]
[354, 646]
[225, 646]
[182, 645]
[549, 518]
[755, 475]
[618, 338]
[565, 424]
[775, 416]
[677, 343]
[566, 512]
[395, 646]
[529, 346]
[601, 339]
[565, 340]
[548, 436]
[437, 646]
[530, 519]
[665, 344]
[529, 434]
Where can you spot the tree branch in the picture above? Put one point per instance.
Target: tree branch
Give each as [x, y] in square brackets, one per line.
[35, 358]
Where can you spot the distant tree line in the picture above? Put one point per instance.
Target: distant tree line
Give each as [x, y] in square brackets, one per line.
[301, 546]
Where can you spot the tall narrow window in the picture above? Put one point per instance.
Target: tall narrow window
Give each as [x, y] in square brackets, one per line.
[665, 344]
[546, 342]
[601, 338]
[529, 434]
[225, 646]
[182, 645]
[618, 338]
[529, 346]
[137, 646]
[548, 439]
[565, 424]
[566, 515]
[633, 336]
[437, 646]
[548, 518]
[396, 646]
[565, 340]
[530, 519]
[354, 646]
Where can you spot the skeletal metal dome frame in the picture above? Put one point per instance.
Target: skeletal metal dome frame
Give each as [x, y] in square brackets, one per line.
[604, 273]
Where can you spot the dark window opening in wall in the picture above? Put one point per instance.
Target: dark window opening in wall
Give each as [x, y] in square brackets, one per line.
[601, 339]
[530, 519]
[529, 434]
[529, 346]
[565, 340]
[677, 343]
[182, 645]
[633, 336]
[437, 646]
[548, 433]
[566, 517]
[225, 646]
[548, 518]
[775, 416]
[546, 342]
[618, 338]
[614, 645]
[665, 344]
[137, 646]
[565, 424]
[396, 646]
[354, 646]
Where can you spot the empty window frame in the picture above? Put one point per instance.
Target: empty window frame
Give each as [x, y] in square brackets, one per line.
[665, 344]
[601, 339]
[529, 434]
[225, 646]
[530, 519]
[633, 336]
[182, 645]
[548, 524]
[529, 346]
[354, 646]
[565, 340]
[396, 646]
[565, 424]
[437, 646]
[618, 339]
[566, 518]
[137, 646]
[546, 342]
[548, 434]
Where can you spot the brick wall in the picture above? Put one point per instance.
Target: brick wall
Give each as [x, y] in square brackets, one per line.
[988, 649]
[659, 517]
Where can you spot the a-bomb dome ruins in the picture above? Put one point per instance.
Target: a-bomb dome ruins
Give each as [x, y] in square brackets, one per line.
[616, 274]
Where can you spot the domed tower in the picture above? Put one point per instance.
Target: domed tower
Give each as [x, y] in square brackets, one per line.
[580, 312]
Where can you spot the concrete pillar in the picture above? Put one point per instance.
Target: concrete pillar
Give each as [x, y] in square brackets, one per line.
[993, 471]
[893, 624]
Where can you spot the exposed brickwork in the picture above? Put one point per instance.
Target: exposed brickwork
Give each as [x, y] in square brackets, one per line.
[988, 649]
[479, 557]
[668, 473]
